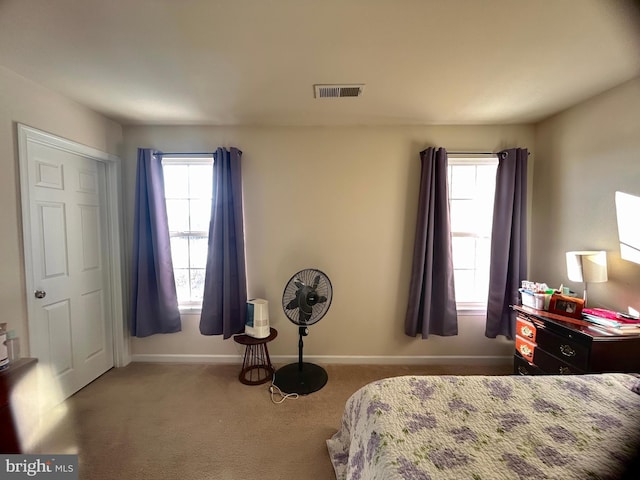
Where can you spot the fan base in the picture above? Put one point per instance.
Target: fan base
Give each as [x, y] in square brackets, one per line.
[292, 379]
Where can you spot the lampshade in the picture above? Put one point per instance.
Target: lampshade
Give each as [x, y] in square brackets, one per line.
[587, 266]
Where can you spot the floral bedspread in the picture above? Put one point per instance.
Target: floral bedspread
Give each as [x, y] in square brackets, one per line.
[481, 427]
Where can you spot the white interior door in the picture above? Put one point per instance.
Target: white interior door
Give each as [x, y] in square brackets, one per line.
[67, 256]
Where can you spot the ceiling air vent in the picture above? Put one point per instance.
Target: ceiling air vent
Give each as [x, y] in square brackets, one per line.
[338, 91]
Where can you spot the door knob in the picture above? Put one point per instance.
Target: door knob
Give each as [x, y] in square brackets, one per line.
[40, 294]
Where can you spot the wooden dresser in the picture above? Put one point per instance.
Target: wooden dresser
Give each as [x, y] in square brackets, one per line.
[552, 344]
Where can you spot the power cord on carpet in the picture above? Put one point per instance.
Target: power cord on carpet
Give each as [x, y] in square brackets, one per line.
[275, 391]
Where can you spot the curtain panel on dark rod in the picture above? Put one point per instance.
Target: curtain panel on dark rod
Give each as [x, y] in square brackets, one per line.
[508, 242]
[154, 303]
[432, 301]
[225, 286]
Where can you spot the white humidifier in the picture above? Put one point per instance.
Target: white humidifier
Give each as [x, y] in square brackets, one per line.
[257, 324]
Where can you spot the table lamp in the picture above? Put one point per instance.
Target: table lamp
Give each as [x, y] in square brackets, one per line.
[587, 267]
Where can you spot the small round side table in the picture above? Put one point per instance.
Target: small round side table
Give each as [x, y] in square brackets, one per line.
[256, 367]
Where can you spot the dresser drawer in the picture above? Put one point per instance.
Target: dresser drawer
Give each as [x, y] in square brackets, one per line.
[525, 348]
[566, 345]
[522, 367]
[525, 329]
[568, 349]
[553, 365]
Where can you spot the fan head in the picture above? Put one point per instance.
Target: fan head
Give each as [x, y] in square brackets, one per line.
[307, 297]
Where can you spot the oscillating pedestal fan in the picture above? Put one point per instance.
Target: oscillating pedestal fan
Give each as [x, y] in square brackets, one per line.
[305, 301]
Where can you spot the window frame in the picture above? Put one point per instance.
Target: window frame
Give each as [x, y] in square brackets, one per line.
[469, 308]
[188, 159]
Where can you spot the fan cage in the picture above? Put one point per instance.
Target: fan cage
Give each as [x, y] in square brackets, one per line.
[323, 289]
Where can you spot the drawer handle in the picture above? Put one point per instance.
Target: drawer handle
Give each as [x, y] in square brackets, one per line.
[567, 351]
[565, 370]
[525, 350]
[526, 331]
[522, 370]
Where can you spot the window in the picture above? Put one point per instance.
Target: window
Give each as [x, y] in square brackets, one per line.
[188, 187]
[471, 191]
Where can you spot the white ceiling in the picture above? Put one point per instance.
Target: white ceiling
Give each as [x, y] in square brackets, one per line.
[254, 62]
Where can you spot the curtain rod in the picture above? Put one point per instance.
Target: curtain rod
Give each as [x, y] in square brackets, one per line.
[164, 154]
[472, 153]
[478, 153]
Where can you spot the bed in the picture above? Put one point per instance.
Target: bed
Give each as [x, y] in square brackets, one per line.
[489, 427]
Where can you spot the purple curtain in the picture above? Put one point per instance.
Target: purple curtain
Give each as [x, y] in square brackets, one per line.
[225, 286]
[154, 299]
[508, 242]
[432, 299]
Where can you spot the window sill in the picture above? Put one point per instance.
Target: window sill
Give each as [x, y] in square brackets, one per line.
[190, 310]
[471, 311]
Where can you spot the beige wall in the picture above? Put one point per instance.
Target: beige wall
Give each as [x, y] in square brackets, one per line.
[22, 101]
[583, 156]
[342, 200]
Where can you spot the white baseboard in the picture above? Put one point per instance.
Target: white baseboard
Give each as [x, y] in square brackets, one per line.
[333, 359]
[180, 358]
[398, 359]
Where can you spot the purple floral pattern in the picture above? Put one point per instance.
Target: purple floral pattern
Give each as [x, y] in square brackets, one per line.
[463, 434]
[552, 457]
[561, 434]
[541, 405]
[423, 390]
[499, 389]
[419, 421]
[340, 458]
[458, 404]
[373, 445]
[509, 421]
[581, 390]
[410, 471]
[377, 407]
[604, 422]
[447, 458]
[357, 464]
[423, 428]
[523, 468]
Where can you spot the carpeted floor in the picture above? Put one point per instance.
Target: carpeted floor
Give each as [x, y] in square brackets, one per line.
[161, 421]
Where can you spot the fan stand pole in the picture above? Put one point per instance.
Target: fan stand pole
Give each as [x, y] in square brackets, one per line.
[302, 332]
[302, 377]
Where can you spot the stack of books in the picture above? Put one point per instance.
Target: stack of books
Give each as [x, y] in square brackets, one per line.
[612, 322]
